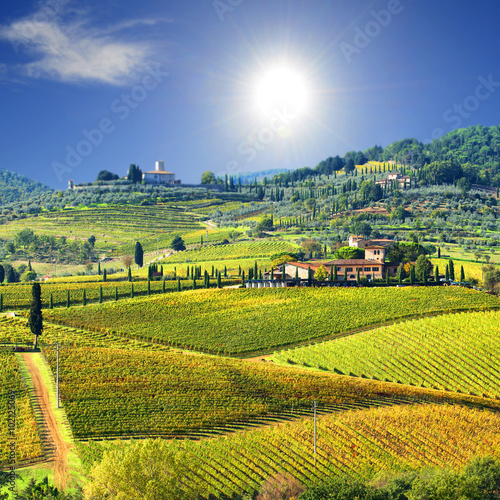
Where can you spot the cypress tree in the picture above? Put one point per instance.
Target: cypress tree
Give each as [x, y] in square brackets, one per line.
[387, 277]
[439, 252]
[357, 275]
[132, 291]
[1, 302]
[335, 272]
[462, 274]
[29, 265]
[255, 268]
[447, 274]
[129, 274]
[194, 284]
[67, 298]
[219, 283]
[2, 274]
[242, 278]
[225, 273]
[345, 273]
[116, 293]
[139, 254]
[100, 295]
[451, 269]
[104, 276]
[436, 274]
[239, 270]
[84, 298]
[99, 267]
[412, 275]
[296, 273]
[51, 302]
[35, 320]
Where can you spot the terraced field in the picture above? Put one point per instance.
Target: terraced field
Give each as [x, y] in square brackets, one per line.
[355, 443]
[236, 322]
[456, 352]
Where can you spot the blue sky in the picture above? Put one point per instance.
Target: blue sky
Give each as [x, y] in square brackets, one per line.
[87, 86]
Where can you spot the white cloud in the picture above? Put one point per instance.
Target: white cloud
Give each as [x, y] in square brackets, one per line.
[76, 53]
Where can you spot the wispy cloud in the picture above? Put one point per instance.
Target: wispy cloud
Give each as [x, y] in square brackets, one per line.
[74, 52]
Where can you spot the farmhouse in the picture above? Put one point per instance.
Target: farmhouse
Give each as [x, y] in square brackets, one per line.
[373, 266]
[159, 175]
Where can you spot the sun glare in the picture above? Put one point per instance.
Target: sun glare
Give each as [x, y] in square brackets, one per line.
[281, 90]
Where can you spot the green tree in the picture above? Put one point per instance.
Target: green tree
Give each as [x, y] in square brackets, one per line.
[104, 275]
[423, 268]
[139, 254]
[35, 319]
[436, 274]
[146, 470]
[311, 247]
[491, 278]
[462, 274]
[321, 274]
[451, 269]
[134, 174]
[347, 253]
[25, 238]
[106, 175]
[208, 178]
[178, 244]
[2, 274]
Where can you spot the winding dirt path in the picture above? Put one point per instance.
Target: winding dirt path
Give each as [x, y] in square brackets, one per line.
[59, 446]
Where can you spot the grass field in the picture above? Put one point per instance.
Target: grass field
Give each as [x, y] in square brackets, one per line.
[236, 322]
[355, 443]
[456, 352]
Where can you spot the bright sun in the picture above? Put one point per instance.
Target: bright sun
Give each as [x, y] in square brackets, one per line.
[281, 90]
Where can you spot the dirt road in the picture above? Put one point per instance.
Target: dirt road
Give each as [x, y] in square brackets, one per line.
[60, 447]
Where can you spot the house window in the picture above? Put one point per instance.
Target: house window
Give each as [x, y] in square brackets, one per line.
[339, 269]
[376, 269]
[367, 269]
[352, 277]
[349, 269]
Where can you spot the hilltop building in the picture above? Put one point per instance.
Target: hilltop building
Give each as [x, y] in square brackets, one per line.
[403, 181]
[160, 176]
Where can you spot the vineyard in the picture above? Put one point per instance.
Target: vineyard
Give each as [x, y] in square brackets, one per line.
[456, 352]
[244, 250]
[18, 296]
[117, 392]
[16, 415]
[236, 322]
[355, 443]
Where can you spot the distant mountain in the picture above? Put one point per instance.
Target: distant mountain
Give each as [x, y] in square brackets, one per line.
[251, 176]
[17, 188]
